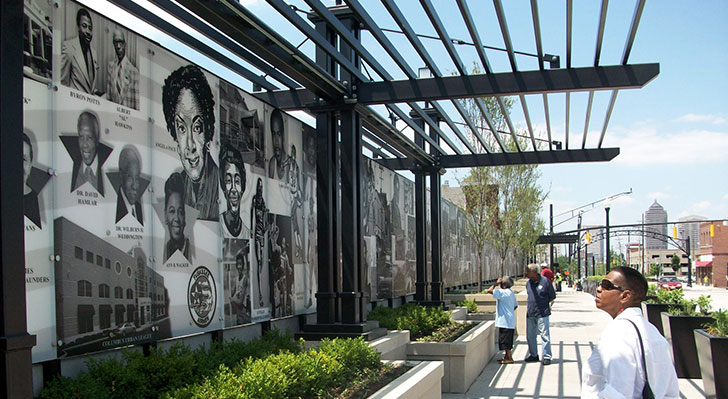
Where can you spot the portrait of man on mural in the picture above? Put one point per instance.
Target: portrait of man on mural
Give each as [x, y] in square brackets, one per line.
[79, 62]
[87, 152]
[132, 185]
[122, 80]
[240, 294]
[34, 180]
[188, 106]
[174, 217]
[259, 222]
[276, 163]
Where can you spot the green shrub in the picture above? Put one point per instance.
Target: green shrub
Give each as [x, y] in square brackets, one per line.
[314, 373]
[595, 278]
[685, 307]
[139, 376]
[719, 326]
[468, 303]
[419, 320]
[704, 304]
[651, 290]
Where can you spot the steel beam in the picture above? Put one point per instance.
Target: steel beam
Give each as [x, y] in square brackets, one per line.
[244, 27]
[510, 158]
[16, 380]
[504, 84]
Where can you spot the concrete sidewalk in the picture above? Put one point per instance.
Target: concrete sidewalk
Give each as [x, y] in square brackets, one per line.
[576, 324]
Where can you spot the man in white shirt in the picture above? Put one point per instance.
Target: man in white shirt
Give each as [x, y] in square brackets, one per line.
[614, 370]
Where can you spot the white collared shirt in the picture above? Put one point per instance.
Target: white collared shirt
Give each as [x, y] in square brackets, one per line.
[614, 369]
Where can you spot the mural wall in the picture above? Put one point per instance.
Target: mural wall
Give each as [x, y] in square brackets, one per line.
[162, 201]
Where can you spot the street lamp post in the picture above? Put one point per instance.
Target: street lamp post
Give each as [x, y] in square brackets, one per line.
[609, 255]
[690, 263]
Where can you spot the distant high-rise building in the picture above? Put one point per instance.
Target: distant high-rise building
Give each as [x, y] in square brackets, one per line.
[656, 214]
[691, 230]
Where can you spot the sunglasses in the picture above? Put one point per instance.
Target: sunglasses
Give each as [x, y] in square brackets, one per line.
[608, 285]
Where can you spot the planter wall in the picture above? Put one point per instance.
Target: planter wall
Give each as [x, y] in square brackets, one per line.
[463, 359]
[392, 346]
[652, 311]
[679, 334]
[713, 358]
[423, 381]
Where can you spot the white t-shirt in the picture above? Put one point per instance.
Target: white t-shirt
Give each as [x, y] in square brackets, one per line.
[505, 316]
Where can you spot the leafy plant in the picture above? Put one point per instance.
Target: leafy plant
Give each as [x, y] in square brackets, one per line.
[419, 320]
[686, 307]
[669, 297]
[719, 326]
[448, 333]
[651, 290]
[470, 304]
[703, 302]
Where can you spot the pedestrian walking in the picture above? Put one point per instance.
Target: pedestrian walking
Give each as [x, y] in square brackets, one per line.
[505, 316]
[632, 359]
[540, 296]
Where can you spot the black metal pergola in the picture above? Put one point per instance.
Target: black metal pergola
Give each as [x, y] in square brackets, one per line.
[361, 105]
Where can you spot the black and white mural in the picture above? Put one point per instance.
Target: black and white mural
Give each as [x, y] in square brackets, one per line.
[162, 201]
[159, 199]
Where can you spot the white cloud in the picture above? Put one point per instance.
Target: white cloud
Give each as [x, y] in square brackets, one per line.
[646, 146]
[702, 205]
[725, 196]
[691, 118]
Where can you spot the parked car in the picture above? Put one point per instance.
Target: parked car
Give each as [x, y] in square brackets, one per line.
[669, 283]
[124, 329]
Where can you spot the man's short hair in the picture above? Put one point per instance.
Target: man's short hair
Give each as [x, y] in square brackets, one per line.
[506, 282]
[89, 117]
[26, 139]
[82, 12]
[174, 184]
[125, 158]
[231, 155]
[192, 78]
[633, 281]
[534, 268]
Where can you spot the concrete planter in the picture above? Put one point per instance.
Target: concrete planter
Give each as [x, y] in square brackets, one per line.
[480, 316]
[652, 311]
[679, 334]
[463, 359]
[423, 381]
[712, 356]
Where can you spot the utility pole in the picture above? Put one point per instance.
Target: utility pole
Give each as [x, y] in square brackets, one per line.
[551, 231]
[609, 255]
[643, 243]
[578, 248]
[690, 263]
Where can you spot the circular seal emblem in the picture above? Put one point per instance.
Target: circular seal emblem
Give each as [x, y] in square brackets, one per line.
[201, 296]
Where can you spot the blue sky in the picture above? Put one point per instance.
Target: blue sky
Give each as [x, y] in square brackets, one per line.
[673, 133]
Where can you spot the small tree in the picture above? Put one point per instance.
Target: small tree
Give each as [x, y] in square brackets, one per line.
[502, 202]
[675, 262]
[655, 269]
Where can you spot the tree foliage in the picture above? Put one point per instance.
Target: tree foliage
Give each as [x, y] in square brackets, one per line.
[502, 202]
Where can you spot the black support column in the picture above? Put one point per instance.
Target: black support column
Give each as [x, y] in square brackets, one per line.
[421, 284]
[15, 342]
[341, 309]
[436, 228]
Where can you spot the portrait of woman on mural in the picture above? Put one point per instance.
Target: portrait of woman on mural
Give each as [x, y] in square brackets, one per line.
[232, 181]
[188, 106]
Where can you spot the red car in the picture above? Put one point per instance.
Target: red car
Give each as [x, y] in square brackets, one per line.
[669, 283]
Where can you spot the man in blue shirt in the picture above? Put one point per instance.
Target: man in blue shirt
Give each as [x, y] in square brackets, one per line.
[540, 296]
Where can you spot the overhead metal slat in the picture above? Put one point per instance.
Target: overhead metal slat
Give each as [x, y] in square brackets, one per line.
[371, 25]
[329, 17]
[500, 13]
[587, 118]
[447, 42]
[224, 41]
[399, 18]
[159, 23]
[600, 31]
